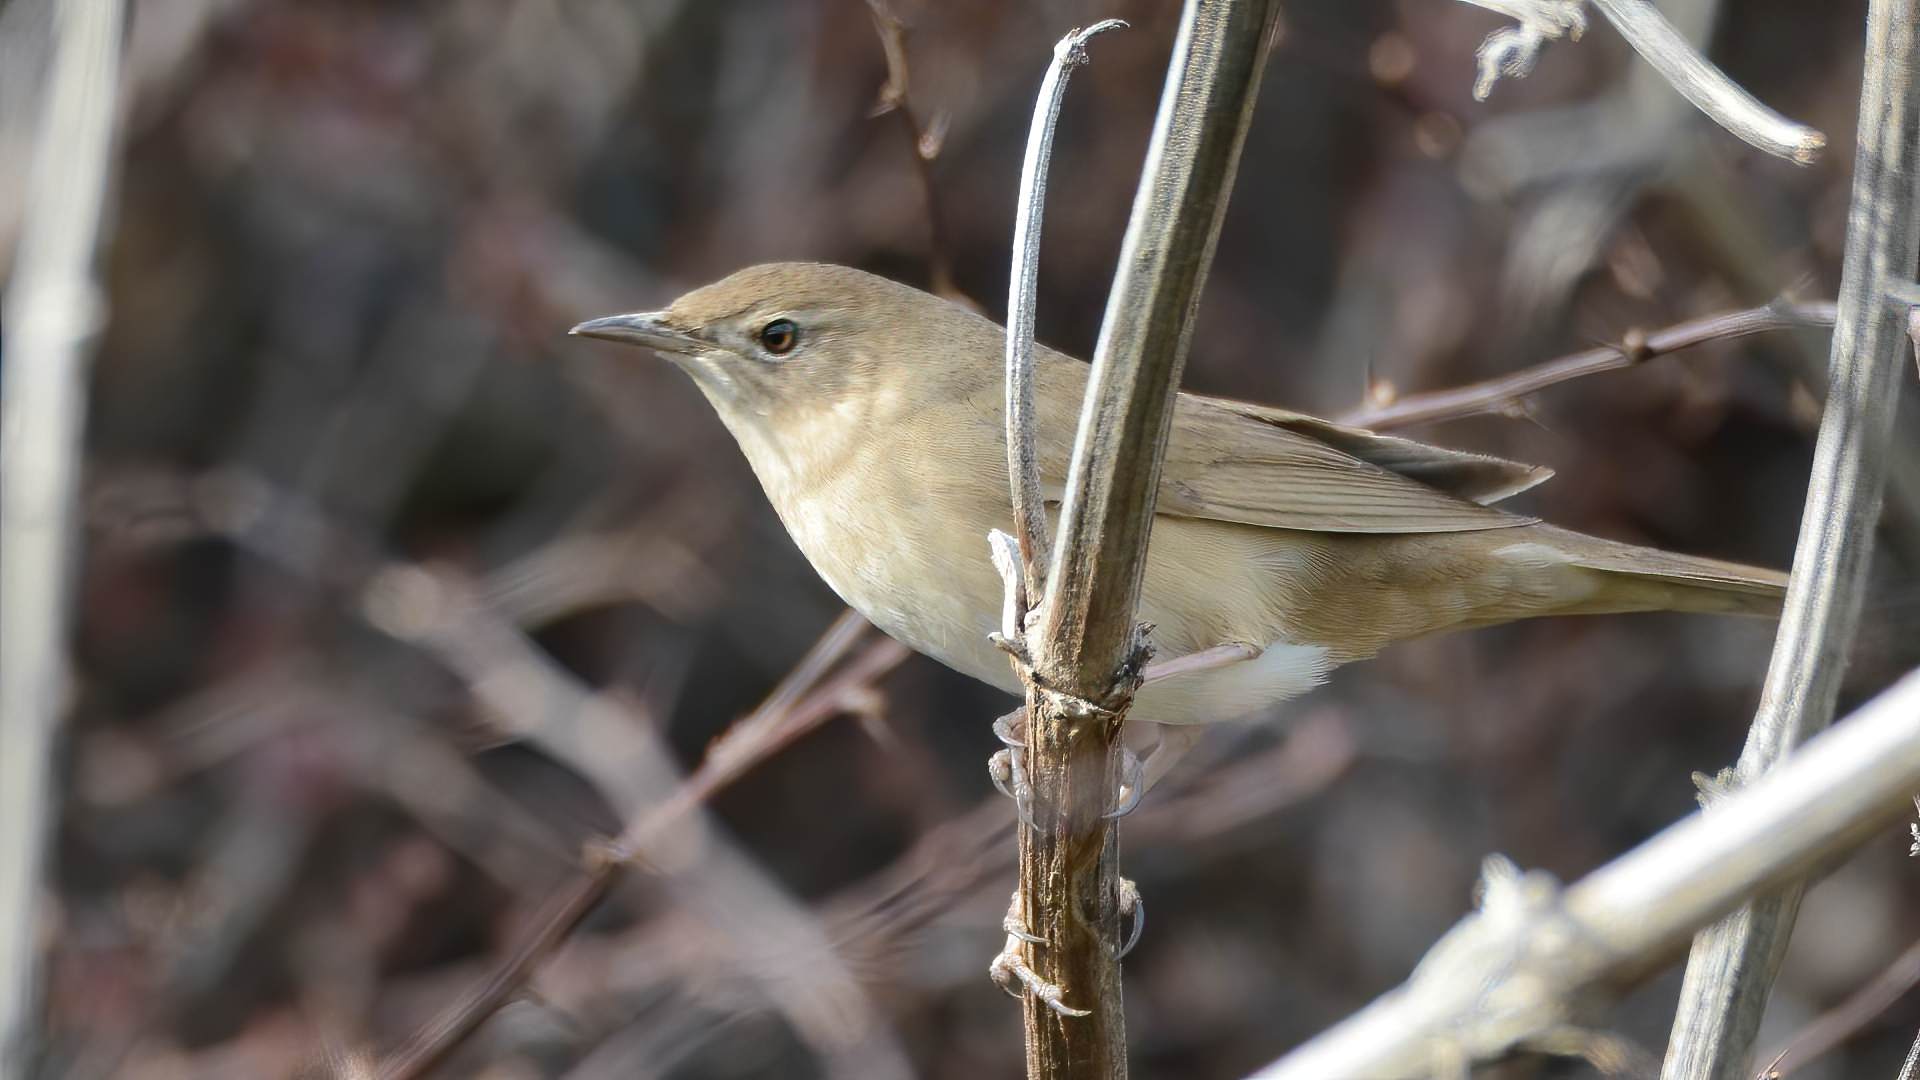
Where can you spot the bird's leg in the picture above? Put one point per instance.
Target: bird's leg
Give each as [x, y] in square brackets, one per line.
[1205, 660]
[1008, 767]
[1137, 775]
[1010, 970]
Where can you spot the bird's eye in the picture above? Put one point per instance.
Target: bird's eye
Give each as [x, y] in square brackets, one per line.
[779, 336]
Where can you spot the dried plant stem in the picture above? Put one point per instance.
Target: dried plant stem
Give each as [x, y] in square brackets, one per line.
[1733, 963]
[1023, 460]
[1502, 394]
[1512, 52]
[1709, 88]
[1085, 649]
[1505, 976]
[1910, 1069]
[52, 311]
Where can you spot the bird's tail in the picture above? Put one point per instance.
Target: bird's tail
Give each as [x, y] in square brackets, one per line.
[1648, 579]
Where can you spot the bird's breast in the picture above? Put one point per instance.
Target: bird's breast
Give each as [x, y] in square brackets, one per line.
[901, 536]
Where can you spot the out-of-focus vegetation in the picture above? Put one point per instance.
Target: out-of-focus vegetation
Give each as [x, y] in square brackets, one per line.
[335, 420]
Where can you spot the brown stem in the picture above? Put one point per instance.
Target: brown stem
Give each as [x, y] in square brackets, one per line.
[1087, 650]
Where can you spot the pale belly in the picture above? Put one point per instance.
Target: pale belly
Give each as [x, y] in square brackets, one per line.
[928, 582]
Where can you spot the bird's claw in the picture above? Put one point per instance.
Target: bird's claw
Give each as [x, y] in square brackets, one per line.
[1133, 784]
[1008, 771]
[1130, 904]
[1010, 972]
[1015, 926]
[1008, 768]
[1010, 729]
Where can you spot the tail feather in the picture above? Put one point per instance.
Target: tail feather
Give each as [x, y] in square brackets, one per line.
[1648, 579]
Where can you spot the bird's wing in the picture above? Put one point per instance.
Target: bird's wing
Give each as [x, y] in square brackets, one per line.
[1252, 465]
[1255, 465]
[1231, 461]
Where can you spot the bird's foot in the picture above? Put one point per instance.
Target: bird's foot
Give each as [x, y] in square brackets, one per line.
[1015, 926]
[1011, 729]
[1008, 767]
[1011, 973]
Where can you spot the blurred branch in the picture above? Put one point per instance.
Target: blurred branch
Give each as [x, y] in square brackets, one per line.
[1512, 53]
[1844, 1020]
[1500, 395]
[1732, 966]
[1086, 650]
[803, 701]
[1507, 974]
[896, 98]
[52, 311]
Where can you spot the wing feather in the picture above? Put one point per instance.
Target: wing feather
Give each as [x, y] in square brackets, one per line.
[1252, 465]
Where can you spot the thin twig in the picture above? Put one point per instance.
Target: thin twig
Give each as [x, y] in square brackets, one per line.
[1733, 963]
[1841, 1022]
[896, 98]
[1086, 648]
[52, 312]
[800, 703]
[1502, 394]
[1023, 460]
[1506, 975]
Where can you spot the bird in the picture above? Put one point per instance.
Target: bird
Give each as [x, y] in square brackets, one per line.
[872, 414]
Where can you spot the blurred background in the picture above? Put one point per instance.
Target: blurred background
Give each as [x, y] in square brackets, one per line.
[393, 597]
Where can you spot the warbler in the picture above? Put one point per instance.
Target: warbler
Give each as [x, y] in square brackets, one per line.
[873, 415]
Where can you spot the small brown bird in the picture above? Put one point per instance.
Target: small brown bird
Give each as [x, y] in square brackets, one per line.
[873, 415]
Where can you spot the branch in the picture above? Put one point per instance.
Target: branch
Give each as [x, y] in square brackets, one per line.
[52, 311]
[1086, 649]
[1733, 964]
[1711, 91]
[1845, 1020]
[802, 701]
[1499, 395]
[1511, 52]
[1504, 976]
[1023, 460]
[895, 97]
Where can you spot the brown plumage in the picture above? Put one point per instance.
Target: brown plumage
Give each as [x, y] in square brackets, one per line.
[872, 414]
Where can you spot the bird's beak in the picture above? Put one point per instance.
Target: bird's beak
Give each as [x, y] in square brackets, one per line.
[645, 328]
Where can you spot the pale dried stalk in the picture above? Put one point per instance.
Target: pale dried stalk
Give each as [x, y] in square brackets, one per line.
[1733, 963]
[1709, 88]
[1085, 649]
[1023, 460]
[52, 311]
[1512, 52]
[1505, 975]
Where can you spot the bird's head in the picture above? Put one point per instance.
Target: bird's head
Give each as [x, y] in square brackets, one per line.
[787, 339]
